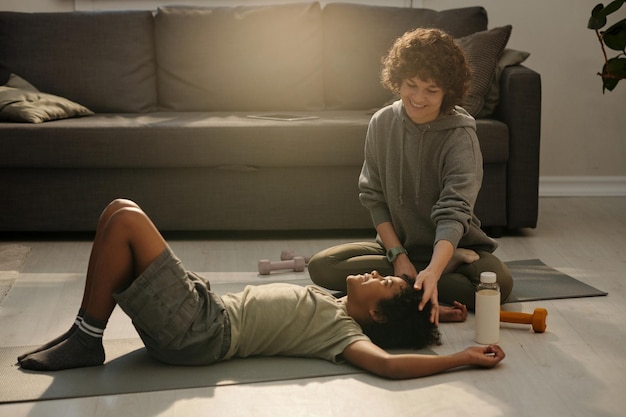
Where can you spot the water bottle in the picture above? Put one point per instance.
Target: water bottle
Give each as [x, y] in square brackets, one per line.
[487, 310]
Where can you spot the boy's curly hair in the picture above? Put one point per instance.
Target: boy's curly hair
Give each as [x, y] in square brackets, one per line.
[430, 54]
[406, 326]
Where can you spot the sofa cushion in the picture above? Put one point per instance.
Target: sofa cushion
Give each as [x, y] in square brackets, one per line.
[103, 60]
[20, 101]
[224, 140]
[359, 36]
[483, 50]
[240, 58]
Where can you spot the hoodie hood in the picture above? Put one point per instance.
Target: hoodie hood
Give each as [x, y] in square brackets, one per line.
[459, 118]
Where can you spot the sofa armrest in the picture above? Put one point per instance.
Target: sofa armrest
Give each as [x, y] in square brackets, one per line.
[520, 109]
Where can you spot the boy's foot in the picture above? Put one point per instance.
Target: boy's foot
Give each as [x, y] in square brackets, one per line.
[50, 344]
[77, 351]
[457, 313]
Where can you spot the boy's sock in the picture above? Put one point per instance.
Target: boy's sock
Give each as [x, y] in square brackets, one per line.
[54, 342]
[82, 348]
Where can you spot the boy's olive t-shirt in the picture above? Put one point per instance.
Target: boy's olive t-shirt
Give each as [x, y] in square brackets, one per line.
[289, 320]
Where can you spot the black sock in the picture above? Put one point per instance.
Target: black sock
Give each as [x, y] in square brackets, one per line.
[54, 342]
[82, 348]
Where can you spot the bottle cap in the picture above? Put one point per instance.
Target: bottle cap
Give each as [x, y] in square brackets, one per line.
[488, 277]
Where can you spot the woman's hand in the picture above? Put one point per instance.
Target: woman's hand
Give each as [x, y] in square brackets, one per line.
[428, 278]
[427, 281]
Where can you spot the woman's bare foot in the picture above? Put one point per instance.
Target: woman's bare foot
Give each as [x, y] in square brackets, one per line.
[461, 256]
[457, 313]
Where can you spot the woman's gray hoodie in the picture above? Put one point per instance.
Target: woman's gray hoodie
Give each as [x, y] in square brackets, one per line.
[424, 179]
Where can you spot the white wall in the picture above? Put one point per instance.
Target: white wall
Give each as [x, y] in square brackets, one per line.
[583, 131]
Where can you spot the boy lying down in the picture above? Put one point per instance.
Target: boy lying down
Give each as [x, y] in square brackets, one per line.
[182, 322]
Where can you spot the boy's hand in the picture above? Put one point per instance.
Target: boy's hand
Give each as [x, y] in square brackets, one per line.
[485, 356]
[457, 313]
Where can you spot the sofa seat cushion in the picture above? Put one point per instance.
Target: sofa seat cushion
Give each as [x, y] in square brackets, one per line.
[240, 58]
[187, 139]
[102, 60]
[224, 140]
[359, 36]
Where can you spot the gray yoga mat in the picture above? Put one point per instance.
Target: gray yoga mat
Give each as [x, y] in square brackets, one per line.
[129, 369]
[533, 280]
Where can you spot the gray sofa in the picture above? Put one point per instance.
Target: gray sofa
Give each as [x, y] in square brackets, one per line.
[172, 92]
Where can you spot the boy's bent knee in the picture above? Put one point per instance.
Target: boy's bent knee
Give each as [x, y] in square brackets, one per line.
[127, 218]
[115, 205]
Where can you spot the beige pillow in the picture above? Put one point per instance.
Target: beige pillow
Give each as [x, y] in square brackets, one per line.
[492, 99]
[483, 50]
[20, 101]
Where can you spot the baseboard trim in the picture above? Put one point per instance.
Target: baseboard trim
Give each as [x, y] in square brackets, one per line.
[582, 186]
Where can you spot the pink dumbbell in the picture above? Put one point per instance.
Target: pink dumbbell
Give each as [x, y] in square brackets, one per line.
[297, 264]
[287, 255]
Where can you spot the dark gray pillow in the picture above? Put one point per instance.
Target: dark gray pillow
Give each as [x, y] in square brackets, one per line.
[103, 60]
[492, 98]
[483, 50]
[20, 101]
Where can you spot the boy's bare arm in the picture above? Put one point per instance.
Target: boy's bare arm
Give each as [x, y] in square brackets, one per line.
[370, 357]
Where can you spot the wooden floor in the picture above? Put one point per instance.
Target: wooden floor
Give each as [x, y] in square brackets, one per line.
[576, 368]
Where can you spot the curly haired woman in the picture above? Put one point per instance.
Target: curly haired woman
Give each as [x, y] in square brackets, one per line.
[421, 175]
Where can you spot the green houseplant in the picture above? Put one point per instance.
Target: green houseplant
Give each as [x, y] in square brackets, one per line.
[614, 69]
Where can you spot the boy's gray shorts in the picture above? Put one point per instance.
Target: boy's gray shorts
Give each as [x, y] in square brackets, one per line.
[180, 321]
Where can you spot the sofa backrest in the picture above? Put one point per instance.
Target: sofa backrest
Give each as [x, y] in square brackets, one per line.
[359, 36]
[102, 60]
[240, 58]
[246, 58]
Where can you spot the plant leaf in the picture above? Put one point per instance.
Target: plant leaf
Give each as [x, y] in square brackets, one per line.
[612, 7]
[613, 73]
[596, 10]
[596, 21]
[615, 36]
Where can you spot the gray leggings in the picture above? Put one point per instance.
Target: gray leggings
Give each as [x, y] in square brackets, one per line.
[330, 267]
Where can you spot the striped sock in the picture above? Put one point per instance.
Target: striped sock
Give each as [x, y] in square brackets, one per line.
[54, 342]
[82, 348]
[92, 327]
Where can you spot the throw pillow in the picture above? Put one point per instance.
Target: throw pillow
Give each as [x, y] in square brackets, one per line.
[492, 99]
[25, 103]
[483, 50]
